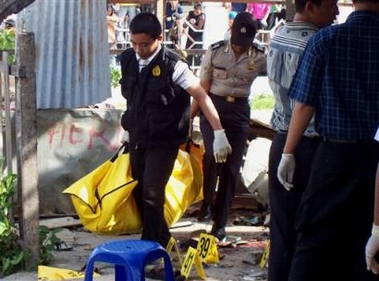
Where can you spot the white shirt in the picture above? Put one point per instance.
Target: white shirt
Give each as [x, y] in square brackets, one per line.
[181, 76]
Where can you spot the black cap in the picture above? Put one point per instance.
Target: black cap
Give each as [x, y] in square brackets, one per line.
[244, 28]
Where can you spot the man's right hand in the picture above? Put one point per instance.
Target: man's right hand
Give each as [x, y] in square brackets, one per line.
[221, 146]
[286, 169]
[125, 137]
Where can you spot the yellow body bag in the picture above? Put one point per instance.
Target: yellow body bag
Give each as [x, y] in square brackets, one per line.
[104, 201]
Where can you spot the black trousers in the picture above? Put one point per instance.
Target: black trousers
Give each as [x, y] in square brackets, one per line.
[336, 213]
[152, 168]
[284, 204]
[235, 120]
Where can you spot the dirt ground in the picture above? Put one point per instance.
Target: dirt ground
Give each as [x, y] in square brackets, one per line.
[237, 262]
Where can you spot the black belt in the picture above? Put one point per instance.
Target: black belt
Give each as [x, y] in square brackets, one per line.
[231, 99]
[331, 140]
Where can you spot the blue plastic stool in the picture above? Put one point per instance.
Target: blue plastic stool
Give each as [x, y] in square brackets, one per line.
[130, 258]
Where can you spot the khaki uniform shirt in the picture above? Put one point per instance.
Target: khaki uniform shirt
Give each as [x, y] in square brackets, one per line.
[231, 77]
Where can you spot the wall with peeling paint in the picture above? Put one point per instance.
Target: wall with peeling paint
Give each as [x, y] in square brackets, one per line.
[72, 143]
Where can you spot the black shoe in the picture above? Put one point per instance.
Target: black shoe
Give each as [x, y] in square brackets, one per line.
[219, 233]
[204, 214]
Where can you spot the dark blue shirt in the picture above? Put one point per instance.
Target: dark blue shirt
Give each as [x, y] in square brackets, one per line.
[172, 15]
[339, 76]
[239, 7]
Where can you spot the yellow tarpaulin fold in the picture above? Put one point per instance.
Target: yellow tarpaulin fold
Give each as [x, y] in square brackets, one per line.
[48, 273]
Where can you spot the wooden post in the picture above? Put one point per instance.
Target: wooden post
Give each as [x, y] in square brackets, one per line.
[8, 125]
[26, 134]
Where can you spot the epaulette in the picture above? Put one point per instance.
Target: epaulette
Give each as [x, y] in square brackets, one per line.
[259, 47]
[176, 54]
[218, 44]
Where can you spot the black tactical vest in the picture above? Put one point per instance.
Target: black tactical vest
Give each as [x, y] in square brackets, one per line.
[157, 112]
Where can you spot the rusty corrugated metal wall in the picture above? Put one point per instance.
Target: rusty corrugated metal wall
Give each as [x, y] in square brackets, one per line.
[72, 62]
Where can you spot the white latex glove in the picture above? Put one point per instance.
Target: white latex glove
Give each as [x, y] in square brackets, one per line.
[372, 248]
[286, 170]
[125, 137]
[221, 146]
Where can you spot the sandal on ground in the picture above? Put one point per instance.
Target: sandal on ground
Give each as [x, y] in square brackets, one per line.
[62, 246]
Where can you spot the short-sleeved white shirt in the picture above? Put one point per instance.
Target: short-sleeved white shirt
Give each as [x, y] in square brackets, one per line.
[182, 75]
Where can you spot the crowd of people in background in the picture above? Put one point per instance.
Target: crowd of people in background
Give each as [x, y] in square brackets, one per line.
[184, 26]
[267, 15]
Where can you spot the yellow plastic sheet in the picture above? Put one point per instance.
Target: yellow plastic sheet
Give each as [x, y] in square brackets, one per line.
[48, 273]
[104, 202]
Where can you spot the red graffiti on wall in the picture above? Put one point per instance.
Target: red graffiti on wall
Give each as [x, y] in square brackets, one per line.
[84, 134]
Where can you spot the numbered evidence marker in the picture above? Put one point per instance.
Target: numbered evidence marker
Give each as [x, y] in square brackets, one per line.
[207, 249]
[264, 258]
[192, 257]
[173, 245]
[206, 252]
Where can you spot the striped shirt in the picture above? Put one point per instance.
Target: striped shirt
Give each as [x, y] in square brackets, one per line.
[286, 48]
[338, 75]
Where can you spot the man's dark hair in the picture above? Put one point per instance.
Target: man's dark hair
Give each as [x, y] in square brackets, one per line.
[146, 23]
[300, 4]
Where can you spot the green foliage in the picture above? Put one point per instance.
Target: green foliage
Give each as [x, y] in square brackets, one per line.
[13, 258]
[115, 76]
[48, 241]
[8, 42]
[263, 101]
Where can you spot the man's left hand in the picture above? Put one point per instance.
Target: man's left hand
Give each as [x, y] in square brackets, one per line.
[286, 169]
[372, 248]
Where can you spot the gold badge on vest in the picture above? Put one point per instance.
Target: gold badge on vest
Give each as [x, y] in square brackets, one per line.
[252, 65]
[156, 71]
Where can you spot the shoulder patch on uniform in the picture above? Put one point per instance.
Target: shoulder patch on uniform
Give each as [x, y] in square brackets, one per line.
[217, 45]
[259, 47]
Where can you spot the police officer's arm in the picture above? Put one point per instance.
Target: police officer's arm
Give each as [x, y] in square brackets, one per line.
[221, 146]
[203, 101]
[185, 78]
[206, 79]
[195, 105]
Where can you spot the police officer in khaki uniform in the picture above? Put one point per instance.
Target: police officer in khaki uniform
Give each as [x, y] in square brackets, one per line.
[227, 72]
